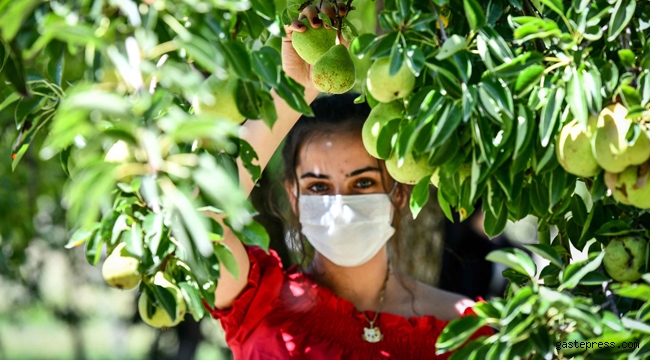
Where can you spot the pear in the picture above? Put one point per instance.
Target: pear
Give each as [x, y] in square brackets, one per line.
[160, 317]
[312, 44]
[386, 88]
[636, 192]
[411, 171]
[610, 146]
[378, 117]
[624, 258]
[621, 181]
[223, 101]
[573, 149]
[121, 270]
[334, 73]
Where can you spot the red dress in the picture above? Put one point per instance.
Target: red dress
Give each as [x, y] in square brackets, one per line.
[286, 315]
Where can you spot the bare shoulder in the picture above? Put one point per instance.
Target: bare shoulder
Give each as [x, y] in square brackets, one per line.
[442, 304]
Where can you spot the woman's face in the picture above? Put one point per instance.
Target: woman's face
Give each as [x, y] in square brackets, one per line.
[338, 164]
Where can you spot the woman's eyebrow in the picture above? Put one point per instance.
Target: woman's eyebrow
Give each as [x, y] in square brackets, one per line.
[311, 174]
[360, 171]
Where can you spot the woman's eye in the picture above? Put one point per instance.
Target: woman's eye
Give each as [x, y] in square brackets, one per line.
[318, 187]
[365, 183]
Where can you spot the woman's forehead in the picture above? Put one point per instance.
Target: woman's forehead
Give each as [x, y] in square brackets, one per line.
[335, 153]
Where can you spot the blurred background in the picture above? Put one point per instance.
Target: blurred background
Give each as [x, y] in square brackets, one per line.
[54, 305]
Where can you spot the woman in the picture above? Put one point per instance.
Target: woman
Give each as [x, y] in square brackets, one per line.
[348, 303]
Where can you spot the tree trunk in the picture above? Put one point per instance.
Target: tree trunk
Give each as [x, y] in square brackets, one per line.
[420, 245]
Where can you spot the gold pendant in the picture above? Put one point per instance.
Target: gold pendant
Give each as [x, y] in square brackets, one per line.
[372, 334]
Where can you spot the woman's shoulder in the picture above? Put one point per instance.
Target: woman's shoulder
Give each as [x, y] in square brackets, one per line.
[428, 300]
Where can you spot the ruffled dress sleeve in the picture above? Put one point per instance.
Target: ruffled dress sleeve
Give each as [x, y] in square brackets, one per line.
[256, 299]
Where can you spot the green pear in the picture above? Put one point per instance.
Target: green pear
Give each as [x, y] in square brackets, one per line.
[637, 193]
[411, 171]
[334, 73]
[624, 258]
[386, 88]
[621, 181]
[378, 117]
[160, 318]
[610, 146]
[222, 102]
[121, 270]
[573, 149]
[312, 44]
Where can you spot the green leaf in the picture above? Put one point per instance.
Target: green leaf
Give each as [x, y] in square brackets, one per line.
[133, 240]
[573, 273]
[94, 249]
[555, 5]
[267, 63]
[14, 15]
[623, 12]
[549, 115]
[237, 56]
[225, 256]
[474, 13]
[253, 234]
[447, 125]
[396, 58]
[634, 291]
[419, 196]
[578, 209]
[387, 138]
[576, 98]
[457, 332]
[494, 224]
[165, 299]
[81, 236]
[636, 325]
[627, 57]
[547, 252]
[522, 299]
[515, 259]
[193, 299]
[452, 45]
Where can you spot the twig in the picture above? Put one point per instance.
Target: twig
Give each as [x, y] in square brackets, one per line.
[443, 33]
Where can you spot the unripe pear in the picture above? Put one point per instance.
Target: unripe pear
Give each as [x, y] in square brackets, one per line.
[619, 191]
[636, 191]
[223, 103]
[610, 146]
[334, 73]
[378, 117]
[573, 149]
[312, 44]
[121, 270]
[411, 171]
[386, 88]
[624, 258]
[160, 317]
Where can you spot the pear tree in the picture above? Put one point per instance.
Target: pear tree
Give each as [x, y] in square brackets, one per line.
[534, 107]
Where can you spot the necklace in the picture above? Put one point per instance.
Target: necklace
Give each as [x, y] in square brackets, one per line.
[373, 334]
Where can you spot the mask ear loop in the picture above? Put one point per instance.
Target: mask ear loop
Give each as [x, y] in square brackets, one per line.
[392, 191]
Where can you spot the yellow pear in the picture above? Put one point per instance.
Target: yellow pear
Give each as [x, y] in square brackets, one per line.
[160, 317]
[378, 117]
[573, 149]
[386, 88]
[223, 101]
[121, 270]
[610, 146]
[334, 73]
[411, 171]
[624, 258]
[619, 191]
[312, 44]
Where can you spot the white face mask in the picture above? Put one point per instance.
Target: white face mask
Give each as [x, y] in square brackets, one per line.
[347, 229]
